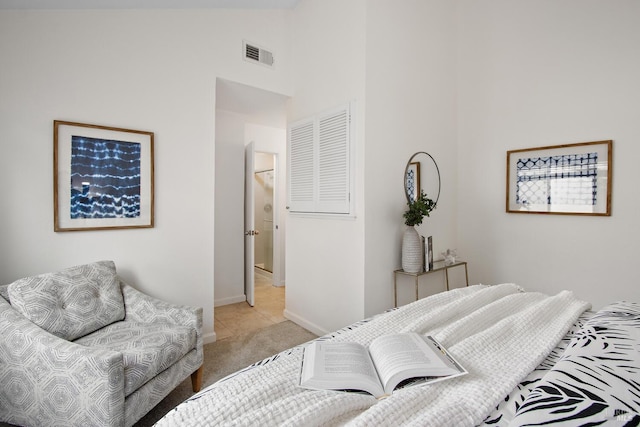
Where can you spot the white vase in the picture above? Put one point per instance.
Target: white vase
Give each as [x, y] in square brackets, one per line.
[412, 258]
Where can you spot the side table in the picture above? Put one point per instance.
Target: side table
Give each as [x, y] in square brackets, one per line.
[437, 266]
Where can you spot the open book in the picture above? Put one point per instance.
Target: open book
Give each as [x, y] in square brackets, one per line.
[390, 360]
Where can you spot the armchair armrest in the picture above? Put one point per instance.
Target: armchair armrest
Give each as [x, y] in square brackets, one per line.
[48, 380]
[140, 307]
[144, 308]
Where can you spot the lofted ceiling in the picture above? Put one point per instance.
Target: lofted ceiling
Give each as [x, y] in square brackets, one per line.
[264, 107]
[147, 4]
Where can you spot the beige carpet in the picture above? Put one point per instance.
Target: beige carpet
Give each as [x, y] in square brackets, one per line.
[228, 355]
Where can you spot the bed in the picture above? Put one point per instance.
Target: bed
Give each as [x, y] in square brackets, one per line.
[533, 359]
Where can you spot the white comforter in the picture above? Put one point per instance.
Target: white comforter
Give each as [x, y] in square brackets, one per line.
[499, 333]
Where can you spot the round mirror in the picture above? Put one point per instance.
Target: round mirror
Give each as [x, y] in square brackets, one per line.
[422, 174]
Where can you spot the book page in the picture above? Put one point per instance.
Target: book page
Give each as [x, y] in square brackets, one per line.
[401, 356]
[339, 366]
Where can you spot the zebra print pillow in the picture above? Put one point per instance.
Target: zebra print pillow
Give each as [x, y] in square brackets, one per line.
[597, 379]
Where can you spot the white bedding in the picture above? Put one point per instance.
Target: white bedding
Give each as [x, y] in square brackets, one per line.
[499, 333]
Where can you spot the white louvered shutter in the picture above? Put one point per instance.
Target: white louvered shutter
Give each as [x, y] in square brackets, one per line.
[302, 169]
[319, 163]
[333, 162]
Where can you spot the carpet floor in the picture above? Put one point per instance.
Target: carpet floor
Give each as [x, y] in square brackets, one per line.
[228, 355]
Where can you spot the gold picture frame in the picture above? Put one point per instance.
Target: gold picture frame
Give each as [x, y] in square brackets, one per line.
[102, 177]
[567, 179]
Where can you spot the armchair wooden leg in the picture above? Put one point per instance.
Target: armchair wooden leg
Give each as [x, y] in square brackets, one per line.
[196, 379]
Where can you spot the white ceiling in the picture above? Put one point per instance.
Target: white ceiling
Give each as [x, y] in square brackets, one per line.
[264, 107]
[147, 4]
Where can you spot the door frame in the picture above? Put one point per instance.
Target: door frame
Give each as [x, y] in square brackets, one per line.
[249, 255]
[277, 202]
[249, 223]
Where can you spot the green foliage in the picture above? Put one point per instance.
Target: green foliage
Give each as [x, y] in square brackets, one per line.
[418, 209]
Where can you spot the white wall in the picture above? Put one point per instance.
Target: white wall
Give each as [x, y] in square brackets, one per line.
[411, 79]
[535, 73]
[325, 257]
[229, 202]
[147, 70]
[467, 81]
[404, 52]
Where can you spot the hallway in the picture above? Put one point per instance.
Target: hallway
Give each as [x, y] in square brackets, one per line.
[240, 318]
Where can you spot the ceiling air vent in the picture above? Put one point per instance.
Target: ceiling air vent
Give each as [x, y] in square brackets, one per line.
[257, 54]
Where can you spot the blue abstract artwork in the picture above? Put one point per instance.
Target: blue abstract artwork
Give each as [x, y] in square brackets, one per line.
[105, 178]
[569, 179]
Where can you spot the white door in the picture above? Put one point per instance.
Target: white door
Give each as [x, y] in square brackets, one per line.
[249, 230]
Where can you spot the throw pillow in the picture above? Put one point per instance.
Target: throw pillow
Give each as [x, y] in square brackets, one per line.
[73, 302]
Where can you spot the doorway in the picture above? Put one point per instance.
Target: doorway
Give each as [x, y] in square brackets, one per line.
[263, 237]
[263, 191]
[244, 114]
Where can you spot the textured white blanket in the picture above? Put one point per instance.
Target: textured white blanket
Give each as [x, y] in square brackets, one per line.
[498, 333]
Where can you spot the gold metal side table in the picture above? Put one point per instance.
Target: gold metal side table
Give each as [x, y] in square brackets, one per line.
[437, 266]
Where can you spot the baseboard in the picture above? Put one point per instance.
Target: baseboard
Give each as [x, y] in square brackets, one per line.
[301, 321]
[209, 338]
[229, 300]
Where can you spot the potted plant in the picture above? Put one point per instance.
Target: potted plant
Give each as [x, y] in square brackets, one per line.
[418, 209]
[412, 248]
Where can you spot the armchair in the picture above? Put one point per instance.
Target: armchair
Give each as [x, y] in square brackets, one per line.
[80, 347]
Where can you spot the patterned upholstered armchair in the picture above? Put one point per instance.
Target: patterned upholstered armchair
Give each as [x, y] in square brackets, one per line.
[82, 348]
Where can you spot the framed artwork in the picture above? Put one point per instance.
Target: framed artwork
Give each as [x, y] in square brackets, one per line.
[412, 181]
[569, 179]
[102, 177]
